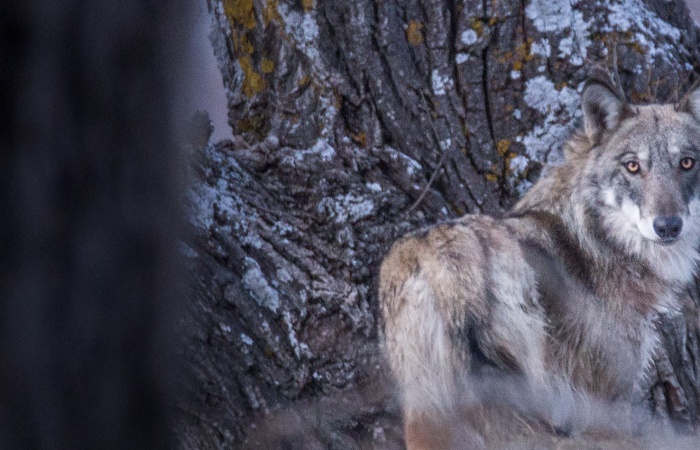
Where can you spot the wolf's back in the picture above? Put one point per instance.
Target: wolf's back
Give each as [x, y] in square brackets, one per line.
[454, 296]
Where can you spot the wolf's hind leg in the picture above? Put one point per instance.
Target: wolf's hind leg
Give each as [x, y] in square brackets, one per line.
[427, 290]
[430, 370]
[442, 432]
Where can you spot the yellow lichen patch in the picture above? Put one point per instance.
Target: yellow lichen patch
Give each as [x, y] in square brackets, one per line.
[253, 124]
[240, 12]
[242, 44]
[267, 65]
[560, 86]
[478, 26]
[271, 12]
[253, 82]
[523, 51]
[305, 80]
[360, 139]
[502, 147]
[503, 150]
[518, 57]
[528, 52]
[637, 47]
[308, 5]
[506, 160]
[457, 208]
[414, 33]
[492, 21]
[337, 100]
[491, 177]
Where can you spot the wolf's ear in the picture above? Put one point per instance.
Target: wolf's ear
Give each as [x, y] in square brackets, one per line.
[690, 103]
[604, 105]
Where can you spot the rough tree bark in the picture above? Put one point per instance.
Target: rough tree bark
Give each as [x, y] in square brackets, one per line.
[355, 122]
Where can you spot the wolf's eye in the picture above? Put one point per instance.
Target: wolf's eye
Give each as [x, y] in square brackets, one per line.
[632, 166]
[687, 163]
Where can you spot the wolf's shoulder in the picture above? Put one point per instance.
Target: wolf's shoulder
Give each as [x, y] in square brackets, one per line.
[472, 239]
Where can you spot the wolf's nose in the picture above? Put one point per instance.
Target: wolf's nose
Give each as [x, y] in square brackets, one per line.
[668, 227]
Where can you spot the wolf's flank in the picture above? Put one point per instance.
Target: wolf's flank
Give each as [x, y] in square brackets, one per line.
[549, 311]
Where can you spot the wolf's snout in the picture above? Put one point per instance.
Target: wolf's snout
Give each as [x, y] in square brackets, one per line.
[668, 227]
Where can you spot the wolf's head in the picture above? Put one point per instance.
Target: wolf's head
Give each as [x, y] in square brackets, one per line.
[643, 173]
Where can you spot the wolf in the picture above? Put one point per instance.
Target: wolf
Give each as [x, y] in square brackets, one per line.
[564, 289]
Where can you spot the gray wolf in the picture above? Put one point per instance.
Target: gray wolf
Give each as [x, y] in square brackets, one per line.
[562, 291]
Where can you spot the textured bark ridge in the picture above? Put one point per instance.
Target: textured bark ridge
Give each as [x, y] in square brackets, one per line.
[355, 122]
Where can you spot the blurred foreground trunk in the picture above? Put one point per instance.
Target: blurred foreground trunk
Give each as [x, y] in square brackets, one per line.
[88, 223]
[355, 122]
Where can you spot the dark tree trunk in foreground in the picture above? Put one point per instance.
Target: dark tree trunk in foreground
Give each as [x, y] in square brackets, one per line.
[88, 223]
[355, 122]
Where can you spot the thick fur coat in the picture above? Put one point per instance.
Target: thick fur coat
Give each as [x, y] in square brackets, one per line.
[562, 292]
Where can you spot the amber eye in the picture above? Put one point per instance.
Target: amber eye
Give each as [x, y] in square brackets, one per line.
[632, 166]
[687, 163]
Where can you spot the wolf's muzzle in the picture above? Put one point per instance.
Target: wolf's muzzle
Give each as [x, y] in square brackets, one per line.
[668, 228]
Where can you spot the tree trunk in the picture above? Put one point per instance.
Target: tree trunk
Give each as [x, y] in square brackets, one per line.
[88, 207]
[355, 122]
